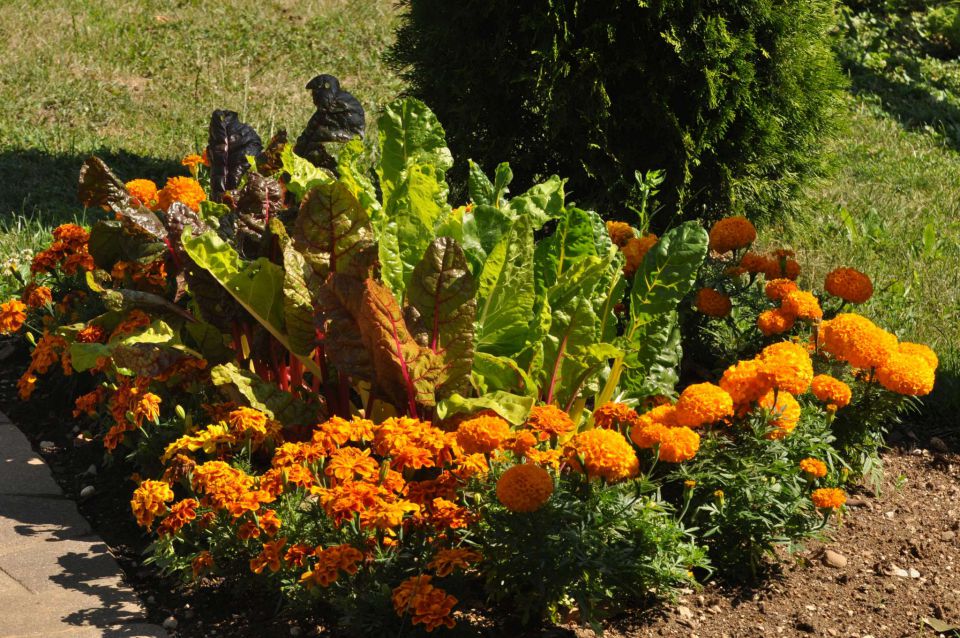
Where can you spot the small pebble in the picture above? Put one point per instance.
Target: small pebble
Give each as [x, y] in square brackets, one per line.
[295, 631]
[834, 559]
[87, 491]
[91, 471]
[170, 623]
[47, 445]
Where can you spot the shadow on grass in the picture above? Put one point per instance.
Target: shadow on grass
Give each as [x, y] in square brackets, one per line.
[37, 183]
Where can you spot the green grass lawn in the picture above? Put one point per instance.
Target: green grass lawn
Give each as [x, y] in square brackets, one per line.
[135, 81]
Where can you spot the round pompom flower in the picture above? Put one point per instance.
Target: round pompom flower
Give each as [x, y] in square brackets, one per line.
[679, 445]
[849, 284]
[620, 233]
[815, 468]
[784, 414]
[746, 381]
[831, 391]
[36, 296]
[920, 350]
[802, 305]
[777, 289]
[789, 366]
[754, 263]
[775, 322]
[524, 488]
[149, 501]
[712, 303]
[144, 191]
[548, 421]
[13, 314]
[184, 190]
[603, 453]
[614, 416]
[648, 435]
[731, 233]
[828, 497]
[482, 434]
[703, 404]
[856, 340]
[635, 250]
[906, 374]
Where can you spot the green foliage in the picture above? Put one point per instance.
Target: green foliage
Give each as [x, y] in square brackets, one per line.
[731, 99]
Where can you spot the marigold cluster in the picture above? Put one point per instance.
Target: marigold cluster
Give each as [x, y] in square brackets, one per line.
[828, 498]
[185, 190]
[329, 563]
[788, 365]
[831, 391]
[856, 340]
[615, 416]
[524, 488]
[732, 233]
[67, 252]
[702, 404]
[849, 284]
[602, 453]
[482, 434]
[815, 468]
[712, 303]
[426, 604]
[746, 381]
[144, 191]
[149, 501]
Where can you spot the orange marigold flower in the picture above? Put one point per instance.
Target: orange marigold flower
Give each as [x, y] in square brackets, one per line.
[789, 366]
[679, 445]
[426, 604]
[815, 468]
[856, 340]
[603, 453]
[180, 514]
[545, 458]
[777, 289]
[92, 334]
[149, 501]
[13, 314]
[482, 434]
[615, 416]
[348, 463]
[245, 420]
[192, 161]
[269, 557]
[732, 233]
[144, 191]
[906, 374]
[775, 322]
[297, 554]
[445, 514]
[920, 350]
[754, 263]
[635, 250]
[802, 305]
[548, 421]
[746, 381]
[520, 441]
[88, 403]
[780, 265]
[184, 190]
[849, 284]
[148, 407]
[448, 560]
[784, 414]
[201, 562]
[71, 235]
[831, 391]
[712, 303]
[36, 296]
[524, 488]
[664, 414]
[270, 523]
[828, 497]
[649, 434]
[620, 233]
[702, 404]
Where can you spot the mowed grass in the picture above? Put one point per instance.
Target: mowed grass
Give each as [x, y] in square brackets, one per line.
[889, 205]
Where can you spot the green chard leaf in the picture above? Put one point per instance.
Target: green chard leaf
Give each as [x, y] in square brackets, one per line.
[541, 203]
[302, 175]
[298, 304]
[333, 233]
[247, 388]
[491, 373]
[409, 134]
[513, 408]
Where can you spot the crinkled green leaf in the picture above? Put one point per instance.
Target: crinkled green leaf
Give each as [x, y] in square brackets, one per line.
[110, 242]
[506, 293]
[483, 228]
[479, 186]
[207, 340]
[492, 373]
[541, 203]
[512, 407]
[247, 388]
[302, 175]
[333, 232]
[354, 176]
[83, 356]
[572, 241]
[298, 307]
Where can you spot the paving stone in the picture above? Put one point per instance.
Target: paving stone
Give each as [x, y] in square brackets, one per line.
[21, 470]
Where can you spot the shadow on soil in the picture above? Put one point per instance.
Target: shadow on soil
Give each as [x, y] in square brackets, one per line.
[35, 182]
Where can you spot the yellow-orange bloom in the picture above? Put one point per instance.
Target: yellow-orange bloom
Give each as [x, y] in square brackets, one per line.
[649, 434]
[620, 233]
[712, 303]
[184, 190]
[849, 284]
[603, 453]
[36, 296]
[426, 604]
[856, 340]
[802, 305]
[906, 374]
[13, 314]
[774, 322]
[192, 161]
[788, 365]
[746, 381]
[149, 501]
[785, 414]
[448, 560]
[702, 404]
[148, 407]
[548, 421]
[831, 391]
[754, 263]
[679, 445]
[635, 250]
[828, 497]
[482, 434]
[144, 191]
[732, 233]
[777, 289]
[920, 350]
[615, 415]
[815, 468]
[524, 488]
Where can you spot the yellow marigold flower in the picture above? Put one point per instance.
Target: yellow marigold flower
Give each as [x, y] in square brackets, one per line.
[828, 497]
[184, 190]
[482, 434]
[635, 250]
[856, 340]
[679, 445]
[13, 314]
[712, 303]
[548, 421]
[788, 365]
[148, 407]
[732, 233]
[815, 468]
[906, 374]
[615, 416]
[36, 296]
[544, 458]
[149, 501]
[777, 289]
[603, 453]
[702, 404]
[746, 381]
[920, 350]
[785, 414]
[448, 560]
[192, 161]
[620, 233]
[831, 391]
[144, 191]
[664, 414]
[245, 419]
[524, 488]
[775, 322]
[689, 484]
[802, 305]
[849, 284]
[348, 463]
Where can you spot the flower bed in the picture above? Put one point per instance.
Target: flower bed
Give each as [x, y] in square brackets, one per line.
[397, 412]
